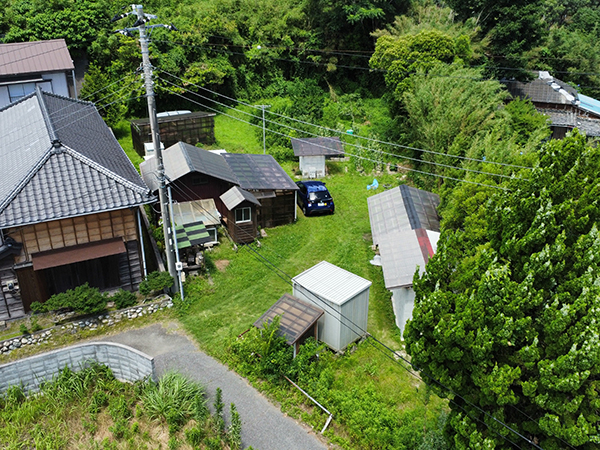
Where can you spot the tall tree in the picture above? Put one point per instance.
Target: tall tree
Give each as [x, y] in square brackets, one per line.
[508, 320]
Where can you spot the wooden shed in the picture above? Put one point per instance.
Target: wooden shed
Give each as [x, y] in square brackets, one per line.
[192, 128]
[241, 214]
[269, 183]
[312, 153]
[343, 296]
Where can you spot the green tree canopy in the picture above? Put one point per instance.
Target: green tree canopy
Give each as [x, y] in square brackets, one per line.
[508, 319]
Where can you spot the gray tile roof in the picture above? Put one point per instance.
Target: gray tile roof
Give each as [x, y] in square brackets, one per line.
[402, 208]
[235, 196]
[181, 159]
[544, 89]
[259, 172]
[34, 57]
[47, 179]
[317, 146]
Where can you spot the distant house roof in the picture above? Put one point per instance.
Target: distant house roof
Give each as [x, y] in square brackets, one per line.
[259, 172]
[326, 146]
[544, 89]
[402, 208]
[34, 57]
[589, 104]
[569, 119]
[296, 316]
[405, 226]
[181, 159]
[59, 160]
[234, 196]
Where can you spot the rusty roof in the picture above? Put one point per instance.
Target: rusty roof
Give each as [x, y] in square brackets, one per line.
[34, 57]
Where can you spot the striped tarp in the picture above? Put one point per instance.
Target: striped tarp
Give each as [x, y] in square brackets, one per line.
[192, 234]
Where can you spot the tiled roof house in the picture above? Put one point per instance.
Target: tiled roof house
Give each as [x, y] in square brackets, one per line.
[69, 196]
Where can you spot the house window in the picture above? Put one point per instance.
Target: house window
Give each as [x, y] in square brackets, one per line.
[17, 91]
[242, 215]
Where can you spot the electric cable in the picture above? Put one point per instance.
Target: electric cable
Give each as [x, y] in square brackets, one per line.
[331, 130]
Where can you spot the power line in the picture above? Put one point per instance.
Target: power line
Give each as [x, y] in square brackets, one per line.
[350, 154]
[331, 130]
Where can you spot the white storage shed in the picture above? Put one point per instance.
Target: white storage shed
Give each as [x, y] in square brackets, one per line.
[343, 296]
[312, 153]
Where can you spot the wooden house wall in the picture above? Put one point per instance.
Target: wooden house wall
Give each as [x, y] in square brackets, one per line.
[278, 210]
[242, 233]
[10, 301]
[62, 233]
[184, 190]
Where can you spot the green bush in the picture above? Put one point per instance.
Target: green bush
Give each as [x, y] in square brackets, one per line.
[155, 282]
[124, 299]
[23, 329]
[35, 326]
[282, 154]
[83, 299]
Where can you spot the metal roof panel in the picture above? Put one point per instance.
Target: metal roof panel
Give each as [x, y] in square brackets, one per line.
[331, 282]
[34, 57]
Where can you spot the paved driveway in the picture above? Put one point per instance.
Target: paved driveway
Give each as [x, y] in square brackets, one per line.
[264, 426]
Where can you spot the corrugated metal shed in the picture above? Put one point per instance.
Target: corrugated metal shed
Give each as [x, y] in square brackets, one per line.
[331, 282]
[235, 196]
[259, 172]
[61, 160]
[326, 146]
[34, 57]
[343, 296]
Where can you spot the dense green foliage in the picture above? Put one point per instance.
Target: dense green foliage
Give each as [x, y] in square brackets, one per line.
[370, 419]
[92, 409]
[506, 317]
[84, 299]
[155, 282]
[124, 299]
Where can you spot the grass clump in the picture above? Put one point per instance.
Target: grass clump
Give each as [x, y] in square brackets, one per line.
[92, 409]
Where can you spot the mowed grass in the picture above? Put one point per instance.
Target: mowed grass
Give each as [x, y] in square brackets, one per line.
[246, 282]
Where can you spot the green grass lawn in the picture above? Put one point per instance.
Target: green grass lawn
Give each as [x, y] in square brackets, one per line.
[245, 284]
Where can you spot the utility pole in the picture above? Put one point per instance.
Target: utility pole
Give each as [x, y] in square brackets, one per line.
[140, 25]
[264, 128]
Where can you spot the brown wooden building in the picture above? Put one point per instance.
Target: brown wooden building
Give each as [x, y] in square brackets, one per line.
[190, 127]
[240, 217]
[70, 199]
[195, 174]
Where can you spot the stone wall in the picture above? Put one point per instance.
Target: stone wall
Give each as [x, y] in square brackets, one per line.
[126, 363]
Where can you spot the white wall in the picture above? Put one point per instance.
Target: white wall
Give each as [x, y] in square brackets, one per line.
[403, 301]
[55, 82]
[312, 166]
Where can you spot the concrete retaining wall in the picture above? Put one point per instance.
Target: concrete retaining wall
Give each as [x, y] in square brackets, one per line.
[126, 363]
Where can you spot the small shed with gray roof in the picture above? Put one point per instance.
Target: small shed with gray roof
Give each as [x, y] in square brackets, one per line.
[240, 217]
[70, 196]
[312, 153]
[343, 296]
[405, 228]
[269, 183]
